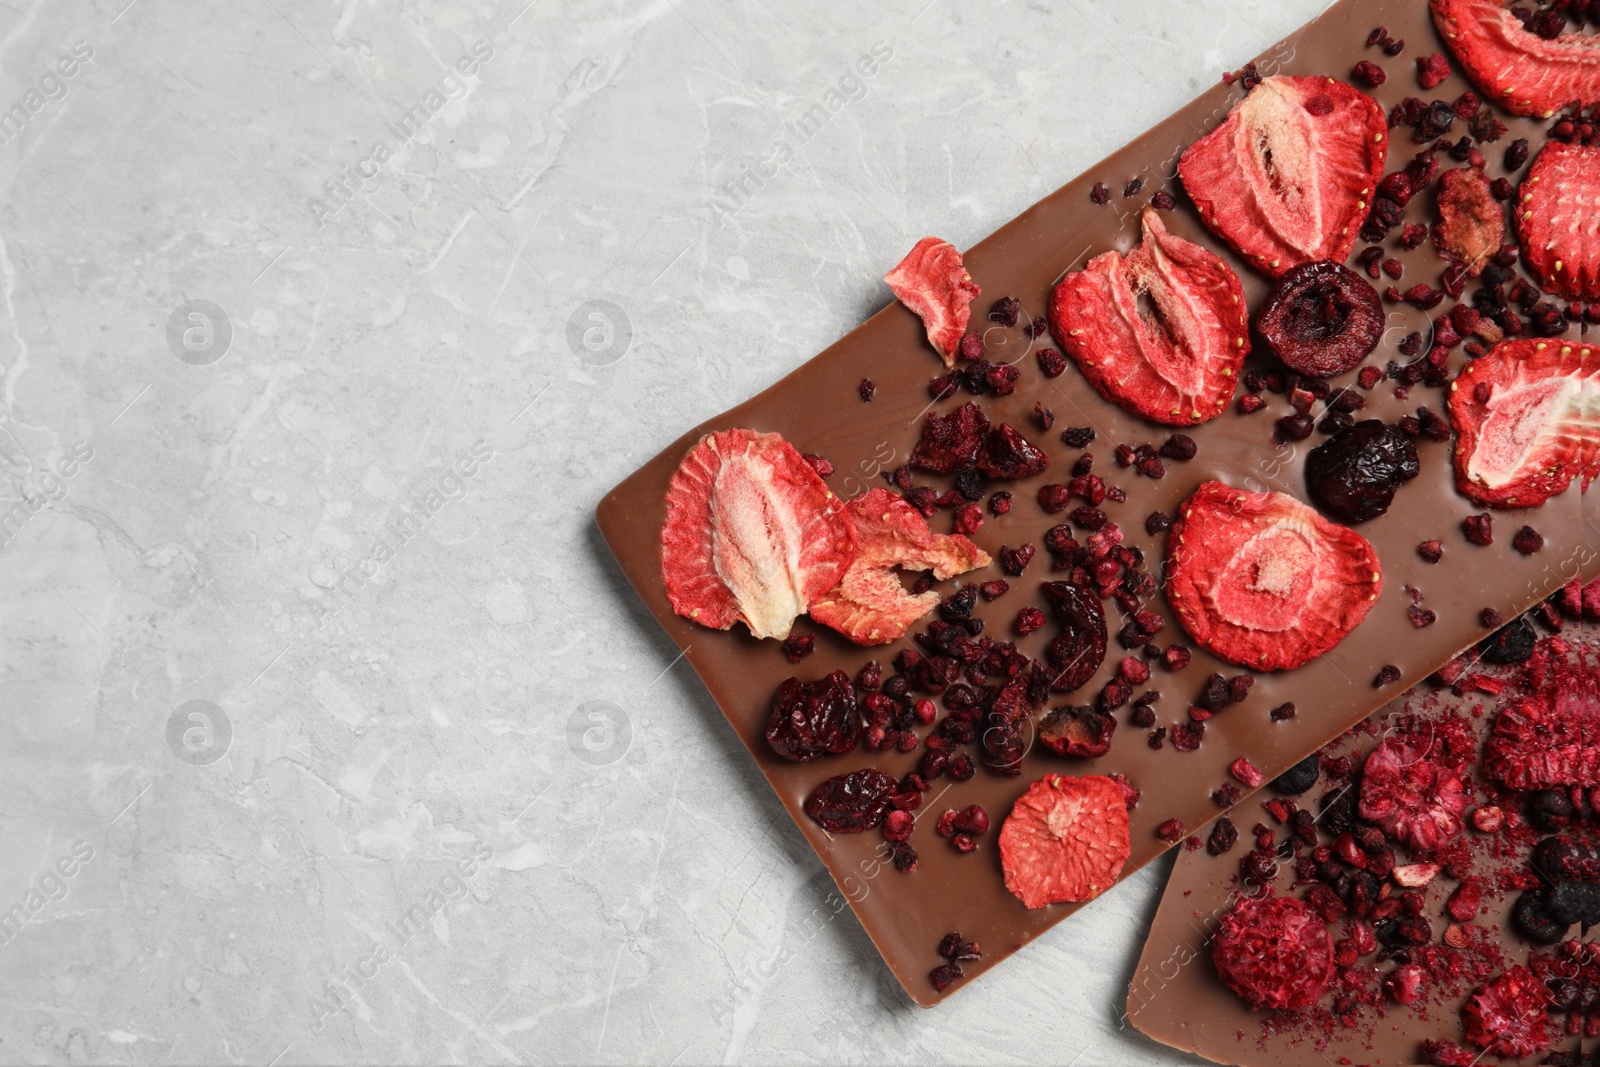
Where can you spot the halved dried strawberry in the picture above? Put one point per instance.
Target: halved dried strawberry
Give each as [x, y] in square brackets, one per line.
[1521, 71]
[1321, 319]
[1288, 177]
[870, 606]
[932, 281]
[1551, 739]
[752, 534]
[1558, 220]
[1262, 580]
[1507, 1016]
[1527, 420]
[1414, 798]
[1472, 224]
[1273, 952]
[1065, 839]
[1161, 331]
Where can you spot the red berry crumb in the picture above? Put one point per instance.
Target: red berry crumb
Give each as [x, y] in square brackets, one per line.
[1100, 194]
[1176, 657]
[1274, 952]
[1170, 831]
[1527, 541]
[1051, 362]
[1247, 773]
[1369, 74]
[798, 647]
[1479, 529]
[1283, 712]
[867, 390]
[1388, 675]
[1029, 620]
[1431, 70]
[1000, 503]
[968, 518]
[1491, 619]
[1430, 551]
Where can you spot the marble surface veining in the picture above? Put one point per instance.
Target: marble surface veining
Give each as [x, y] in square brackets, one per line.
[331, 731]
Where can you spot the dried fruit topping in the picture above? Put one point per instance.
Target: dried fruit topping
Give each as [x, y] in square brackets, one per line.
[1248, 774]
[1273, 952]
[1354, 474]
[811, 719]
[951, 443]
[1472, 224]
[1555, 218]
[932, 282]
[1262, 580]
[1432, 70]
[867, 390]
[1527, 419]
[1413, 797]
[1066, 839]
[1007, 454]
[1507, 1016]
[1527, 541]
[852, 803]
[1522, 71]
[1076, 653]
[1161, 331]
[1082, 732]
[1286, 179]
[869, 605]
[1479, 529]
[1300, 777]
[752, 534]
[1550, 738]
[944, 975]
[1321, 319]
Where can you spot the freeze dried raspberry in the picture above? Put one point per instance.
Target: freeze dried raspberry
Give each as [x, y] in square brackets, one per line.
[932, 282]
[1479, 529]
[1161, 331]
[1523, 72]
[1527, 541]
[1007, 454]
[1321, 319]
[1464, 902]
[1066, 839]
[1273, 952]
[1286, 178]
[1559, 234]
[951, 443]
[1262, 580]
[752, 534]
[869, 605]
[852, 803]
[1432, 70]
[1472, 224]
[1414, 798]
[1507, 1016]
[1550, 738]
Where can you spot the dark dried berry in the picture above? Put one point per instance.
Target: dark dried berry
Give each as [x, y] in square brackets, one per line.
[945, 974]
[1510, 644]
[1296, 427]
[1163, 201]
[1283, 712]
[1224, 835]
[954, 947]
[867, 390]
[1387, 675]
[951, 442]
[1517, 153]
[1186, 736]
[1006, 311]
[1321, 319]
[1083, 732]
[1089, 518]
[1007, 454]
[1369, 74]
[852, 803]
[1014, 561]
[1300, 777]
[1157, 522]
[1479, 529]
[814, 719]
[1527, 541]
[1354, 475]
[1077, 436]
[1100, 194]
[1000, 503]
[959, 606]
[798, 647]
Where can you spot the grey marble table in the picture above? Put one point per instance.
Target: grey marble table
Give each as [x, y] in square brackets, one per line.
[331, 733]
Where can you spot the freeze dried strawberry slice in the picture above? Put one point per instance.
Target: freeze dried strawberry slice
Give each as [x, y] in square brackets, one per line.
[1273, 952]
[1065, 839]
[752, 535]
[1550, 740]
[870, 606]
[1558, 219]
[1161, 331]
[1414, 798]
[1507, 1017]
[1472, 224]
[932, 282]
[1516, 68]
[1288, 177]
[1262, 580]
[1527, 420]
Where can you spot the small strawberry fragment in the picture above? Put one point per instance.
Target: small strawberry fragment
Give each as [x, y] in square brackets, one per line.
[932, 281]
[869, 605]
[1262, 580]
[1066, 839]
[1273, 952]
[1472, 224]
[1286, 178]
[1507, 1016]
[1414, 798]
[1521, 71]
[752, 534]
[1527, 419]
[1557, 221]
[1161, 331]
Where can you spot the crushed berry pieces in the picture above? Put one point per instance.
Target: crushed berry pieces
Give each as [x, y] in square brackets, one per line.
[1283, 712]
[1163, 201]
[1491, 619]
[1006, 311]
[1176, 657]
[867, 390]
[1527, 541]
[1369, 74]
[1420, 616]
[1029, 620]
[1186, 736]
[1051, 362]
[1250, 403]
[1432, 70]
[1043, 416]
[1388, 675]
[798, 647]
[1037, 328]
[1000, 503]
[955, 947]
[1170, 831]
[1014, 561]
[1133, 187]
[1479, 529]
[944, 975]
[1077, 436]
